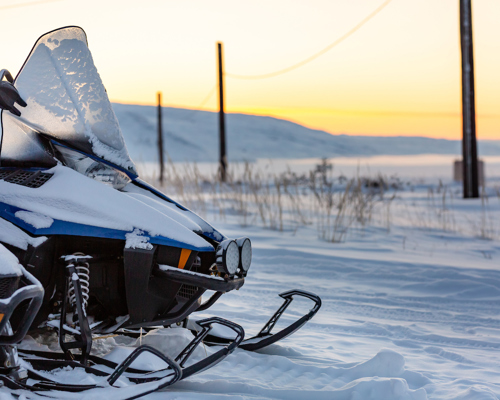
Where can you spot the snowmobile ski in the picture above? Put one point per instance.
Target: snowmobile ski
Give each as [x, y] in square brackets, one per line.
[265, 338]
[176, 369]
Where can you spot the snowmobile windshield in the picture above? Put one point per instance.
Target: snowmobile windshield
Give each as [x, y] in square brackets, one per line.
[66, 101]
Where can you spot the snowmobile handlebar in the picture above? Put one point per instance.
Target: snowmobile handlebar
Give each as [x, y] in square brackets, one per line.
[7, 75]
[33, 292]
[9, 95]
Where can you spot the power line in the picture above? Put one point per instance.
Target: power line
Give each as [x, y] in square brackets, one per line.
[314, 56]
[297, 65]
[31, 3]
[389, 113]
[209, 95]
[193, 112]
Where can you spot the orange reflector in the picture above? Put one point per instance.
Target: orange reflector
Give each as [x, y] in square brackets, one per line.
[1, 317]
[185, 253]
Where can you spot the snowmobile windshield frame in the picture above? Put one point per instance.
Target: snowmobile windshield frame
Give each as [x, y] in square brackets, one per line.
[93, 167]
[67, 102]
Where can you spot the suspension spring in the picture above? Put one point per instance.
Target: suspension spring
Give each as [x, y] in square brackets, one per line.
[83, 272]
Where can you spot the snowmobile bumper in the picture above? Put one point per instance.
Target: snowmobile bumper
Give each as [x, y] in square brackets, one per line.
[207, 282]
[32, 292]
[13, 333]
[159, 294]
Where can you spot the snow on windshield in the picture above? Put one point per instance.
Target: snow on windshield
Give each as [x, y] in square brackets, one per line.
[66, 98]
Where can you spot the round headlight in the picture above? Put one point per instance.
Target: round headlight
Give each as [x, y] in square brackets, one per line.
[228, 257]
[245, 247]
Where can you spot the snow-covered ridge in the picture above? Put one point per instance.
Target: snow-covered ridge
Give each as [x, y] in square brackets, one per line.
[191, 135]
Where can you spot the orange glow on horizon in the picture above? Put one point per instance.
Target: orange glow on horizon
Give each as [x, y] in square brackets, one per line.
[384, 123]
[439, 125]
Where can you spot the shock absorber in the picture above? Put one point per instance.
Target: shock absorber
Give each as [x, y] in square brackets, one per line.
[82, 269]
[77, 295]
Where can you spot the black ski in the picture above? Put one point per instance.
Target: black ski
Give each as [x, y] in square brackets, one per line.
[47, 361]
[265, 338]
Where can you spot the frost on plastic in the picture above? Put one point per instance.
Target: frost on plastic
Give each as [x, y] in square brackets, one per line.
[66, 100]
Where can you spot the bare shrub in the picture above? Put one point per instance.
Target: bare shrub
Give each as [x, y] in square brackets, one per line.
[284, 201]
[333, 205]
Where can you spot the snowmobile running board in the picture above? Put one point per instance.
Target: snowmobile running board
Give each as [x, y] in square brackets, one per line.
[150, 381]
[265, 338]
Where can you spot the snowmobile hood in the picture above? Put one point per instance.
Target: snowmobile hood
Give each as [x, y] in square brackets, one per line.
[66, 101]
[70, 203]
[146, 193]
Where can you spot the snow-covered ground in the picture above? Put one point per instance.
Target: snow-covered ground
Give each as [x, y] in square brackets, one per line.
[406, 315]
[413, 313]
[410, 311]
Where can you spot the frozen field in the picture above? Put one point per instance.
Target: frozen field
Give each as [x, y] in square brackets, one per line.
[406, 315]
[410, 310]
[413, 313]
[428, 167]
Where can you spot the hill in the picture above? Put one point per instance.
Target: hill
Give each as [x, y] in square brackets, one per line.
[192, 135]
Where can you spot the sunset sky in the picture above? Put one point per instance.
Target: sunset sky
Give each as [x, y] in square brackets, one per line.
[399, 74]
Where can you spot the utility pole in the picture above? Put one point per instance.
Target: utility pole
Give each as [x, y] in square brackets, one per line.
[469, 145]
[160, 139]
[222, 124]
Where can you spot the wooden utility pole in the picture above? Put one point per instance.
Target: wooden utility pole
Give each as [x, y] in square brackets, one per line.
[222, 124]
[469, 146]
[160, 139]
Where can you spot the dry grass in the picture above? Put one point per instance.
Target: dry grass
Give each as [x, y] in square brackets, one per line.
[333, 205]
[284, 201]
[444, 209]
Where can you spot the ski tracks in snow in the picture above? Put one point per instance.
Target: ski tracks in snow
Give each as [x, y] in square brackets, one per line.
[442, 322]
[252, 375]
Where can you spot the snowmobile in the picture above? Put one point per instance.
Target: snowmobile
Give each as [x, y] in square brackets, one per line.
[112, 253]
[17, 286]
